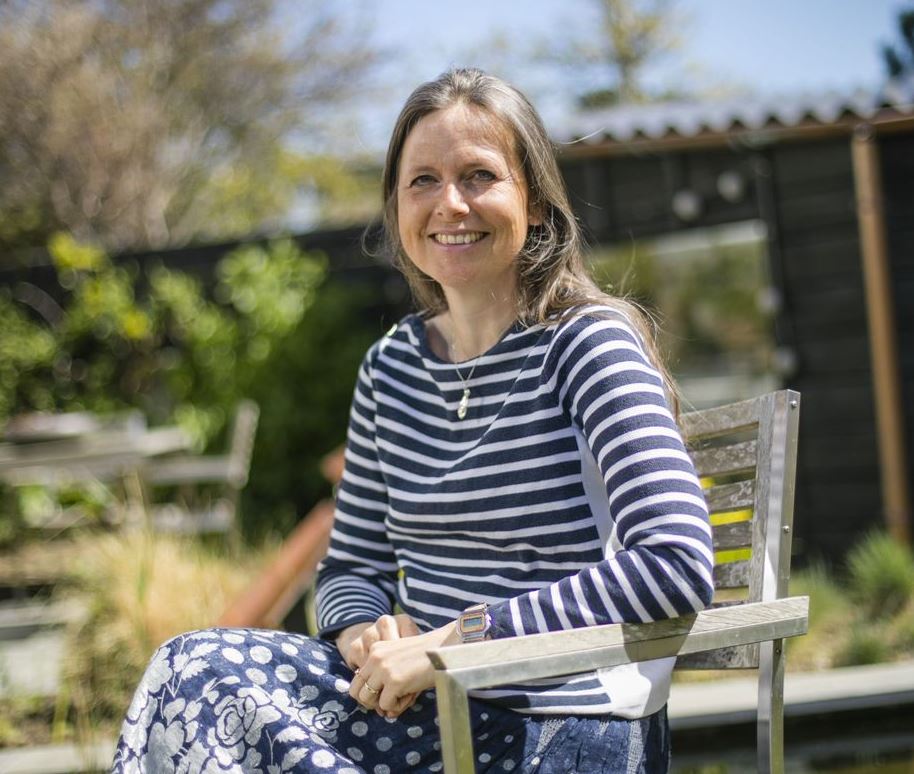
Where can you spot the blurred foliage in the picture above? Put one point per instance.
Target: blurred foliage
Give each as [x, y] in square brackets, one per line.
[305, 405]
[610, 53]
[708, 301]
[863, 616]
[137, 123]
[172, 352]
[272, 327]
[881, 573]
[899, 57]
[136, 589]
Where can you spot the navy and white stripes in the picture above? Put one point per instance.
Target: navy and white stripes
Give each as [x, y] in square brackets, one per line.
[565, 498]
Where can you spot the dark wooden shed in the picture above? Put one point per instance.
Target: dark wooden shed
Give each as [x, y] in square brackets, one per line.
[832, 179]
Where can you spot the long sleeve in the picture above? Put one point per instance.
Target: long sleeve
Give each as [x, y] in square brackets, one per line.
[654, 521]
[356, 582]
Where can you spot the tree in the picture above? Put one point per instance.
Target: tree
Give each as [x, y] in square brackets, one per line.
[631, 35]
[135, 123]
[899, 59]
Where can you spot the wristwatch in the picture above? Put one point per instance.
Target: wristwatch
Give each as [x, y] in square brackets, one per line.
[473, 624]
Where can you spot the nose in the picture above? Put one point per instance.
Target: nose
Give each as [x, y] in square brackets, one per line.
[452, 201]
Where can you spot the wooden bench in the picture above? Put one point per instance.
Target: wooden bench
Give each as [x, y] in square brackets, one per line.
[56, 450]
[747, 453]
[196, 509]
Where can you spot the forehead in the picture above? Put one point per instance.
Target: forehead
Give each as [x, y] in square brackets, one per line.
[458, 129]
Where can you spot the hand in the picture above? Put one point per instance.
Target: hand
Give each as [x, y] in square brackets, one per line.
[355, 642]
[398, 669]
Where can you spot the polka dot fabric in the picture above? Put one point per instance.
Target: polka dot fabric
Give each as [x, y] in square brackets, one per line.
[246, 700]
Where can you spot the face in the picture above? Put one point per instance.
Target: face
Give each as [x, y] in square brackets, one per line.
[462, 202]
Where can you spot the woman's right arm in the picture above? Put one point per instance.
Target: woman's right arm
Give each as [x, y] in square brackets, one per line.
[356, 582]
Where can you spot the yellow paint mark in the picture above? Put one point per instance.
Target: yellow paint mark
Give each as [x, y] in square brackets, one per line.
[732, 555]
[731, 517]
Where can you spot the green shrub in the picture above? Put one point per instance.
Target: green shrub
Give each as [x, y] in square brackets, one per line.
[304, 399]
[865, 644]
[881, 575]
[830, 609]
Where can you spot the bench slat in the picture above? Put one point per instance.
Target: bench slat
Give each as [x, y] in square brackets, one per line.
[731, 497]
[736, 535]
[725, 460]
[732, 575]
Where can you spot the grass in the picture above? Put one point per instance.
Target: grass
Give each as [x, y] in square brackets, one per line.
[140, 589]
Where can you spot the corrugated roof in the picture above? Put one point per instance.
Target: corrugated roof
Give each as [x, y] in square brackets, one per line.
[665, 120]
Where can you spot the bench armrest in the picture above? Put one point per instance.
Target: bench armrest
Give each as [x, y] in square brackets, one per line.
[461, 668]
[536, 656]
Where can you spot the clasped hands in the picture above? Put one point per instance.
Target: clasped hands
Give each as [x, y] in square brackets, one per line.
[389, 660]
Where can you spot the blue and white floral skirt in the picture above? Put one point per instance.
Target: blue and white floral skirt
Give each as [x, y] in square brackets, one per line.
[248, 700]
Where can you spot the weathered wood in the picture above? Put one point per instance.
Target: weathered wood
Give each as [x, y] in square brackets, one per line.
[733, 657]
[732, 575]
[726, 460]
[200, 511]
[735, 535]
[731, 497]
[712, 422]
[536, 656]
[454, 722]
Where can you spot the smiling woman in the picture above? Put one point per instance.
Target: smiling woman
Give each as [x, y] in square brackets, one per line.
[462, 208]
[513, 466]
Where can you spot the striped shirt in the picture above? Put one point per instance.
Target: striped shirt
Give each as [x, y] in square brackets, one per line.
[565, 498]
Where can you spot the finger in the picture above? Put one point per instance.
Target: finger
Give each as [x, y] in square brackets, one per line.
[356, 655]
[358, 651]
[406, 626]
[403, 703]
[387, 629]
[356, 686]
[369, 695]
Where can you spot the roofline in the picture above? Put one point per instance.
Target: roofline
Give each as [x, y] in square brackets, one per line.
[887, 121]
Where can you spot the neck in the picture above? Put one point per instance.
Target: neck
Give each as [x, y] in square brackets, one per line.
[472, 329]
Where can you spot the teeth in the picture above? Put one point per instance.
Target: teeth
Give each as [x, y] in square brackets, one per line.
[459, 239]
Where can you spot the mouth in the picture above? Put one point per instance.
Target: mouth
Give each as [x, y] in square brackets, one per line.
[463, 238]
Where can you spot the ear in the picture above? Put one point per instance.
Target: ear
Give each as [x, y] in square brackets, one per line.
[534, 215]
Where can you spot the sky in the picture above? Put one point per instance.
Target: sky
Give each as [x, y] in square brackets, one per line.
[762, 46]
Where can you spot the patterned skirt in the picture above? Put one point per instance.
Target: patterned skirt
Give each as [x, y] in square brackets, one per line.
[249, 700]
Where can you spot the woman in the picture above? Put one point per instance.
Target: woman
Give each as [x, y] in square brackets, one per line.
[512, 467]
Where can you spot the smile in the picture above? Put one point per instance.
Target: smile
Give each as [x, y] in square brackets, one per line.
[466, 238]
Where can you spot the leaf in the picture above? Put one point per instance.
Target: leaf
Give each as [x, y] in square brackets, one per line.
[293, 756]
[192, 710]
[173, 708]
[194, 668]
[292, 734]
[203, 649]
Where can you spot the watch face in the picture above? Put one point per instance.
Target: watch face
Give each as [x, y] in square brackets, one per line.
[473, 623]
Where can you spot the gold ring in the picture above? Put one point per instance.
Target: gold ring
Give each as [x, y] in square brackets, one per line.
[368, 688]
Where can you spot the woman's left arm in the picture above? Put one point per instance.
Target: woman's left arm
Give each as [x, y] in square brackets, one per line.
[658, 556]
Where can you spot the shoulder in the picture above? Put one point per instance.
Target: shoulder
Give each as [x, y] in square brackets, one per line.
[585, 328]
[402, 339]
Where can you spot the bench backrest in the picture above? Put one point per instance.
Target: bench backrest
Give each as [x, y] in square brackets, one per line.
[746, 455]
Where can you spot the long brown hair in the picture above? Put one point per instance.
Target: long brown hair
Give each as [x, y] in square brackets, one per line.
[552, 275]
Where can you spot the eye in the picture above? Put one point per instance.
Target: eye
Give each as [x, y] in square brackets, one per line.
[421, 180]
[483, 175]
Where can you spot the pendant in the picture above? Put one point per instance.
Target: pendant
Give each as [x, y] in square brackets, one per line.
[464, 403]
